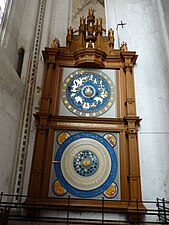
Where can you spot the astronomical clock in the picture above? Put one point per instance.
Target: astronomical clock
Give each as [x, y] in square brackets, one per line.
[86, 146]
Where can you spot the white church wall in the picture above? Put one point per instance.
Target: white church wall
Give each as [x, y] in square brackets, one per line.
[20, 32]
[11, 93]
[59, 23]
[45, 42]
[27, 35]
[12, 31]
[144, 34]
[33, 37]
[164, 4]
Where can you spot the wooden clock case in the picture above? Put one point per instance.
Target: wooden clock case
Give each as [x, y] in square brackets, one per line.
[88, 49]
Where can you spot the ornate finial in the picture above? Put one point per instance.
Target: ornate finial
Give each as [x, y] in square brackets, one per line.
[82, 20]
[124, 47]
[91, 27]
[69, 34]
[82, 24]
[55, 43]
[91, 17]
[111, 38]
[99, 26]
[70, 31]
[99, 21]
[91, 11]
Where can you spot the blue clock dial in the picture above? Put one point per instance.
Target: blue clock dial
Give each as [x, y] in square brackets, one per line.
[88, 93]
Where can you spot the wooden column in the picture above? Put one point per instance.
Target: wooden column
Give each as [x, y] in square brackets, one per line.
[37, 170]
[50, 58]
[132, 121]
[37, 163]
[134, 171]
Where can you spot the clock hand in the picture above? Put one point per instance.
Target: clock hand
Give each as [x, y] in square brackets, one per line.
[56, 161]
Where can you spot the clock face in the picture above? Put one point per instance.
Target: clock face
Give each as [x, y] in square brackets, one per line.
[85, 165]
[88, 93]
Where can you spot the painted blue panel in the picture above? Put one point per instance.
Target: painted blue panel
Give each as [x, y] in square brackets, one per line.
[111, 176]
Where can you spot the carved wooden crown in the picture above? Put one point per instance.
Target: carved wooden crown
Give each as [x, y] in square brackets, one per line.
[90, 35]
[90, 48]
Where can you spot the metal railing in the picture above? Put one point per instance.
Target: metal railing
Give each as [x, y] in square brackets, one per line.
[163, 210]
[35, 212]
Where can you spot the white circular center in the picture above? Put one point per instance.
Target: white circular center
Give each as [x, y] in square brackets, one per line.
[88, 91]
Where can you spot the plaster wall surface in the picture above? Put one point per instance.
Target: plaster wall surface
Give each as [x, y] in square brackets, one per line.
[27, 35]
[11, 93]
[12, 32]
[20, 32]
[144, 34]
[30, 38]
[59, 23]
[165, 7]
[45, 42]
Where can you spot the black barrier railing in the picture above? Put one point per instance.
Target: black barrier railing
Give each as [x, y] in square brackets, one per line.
[163, 210]
[35, 212]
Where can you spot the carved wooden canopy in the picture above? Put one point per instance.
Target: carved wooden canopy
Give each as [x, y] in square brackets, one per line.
[90, 48]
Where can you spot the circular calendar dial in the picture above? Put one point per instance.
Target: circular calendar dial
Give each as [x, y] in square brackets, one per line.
[86, 164]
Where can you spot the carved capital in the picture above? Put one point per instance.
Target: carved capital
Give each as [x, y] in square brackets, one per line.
[129, 58]
[131, 131]
[132, 119]
[128, 68]
[41, 127]
[50, 55]
[51, 59]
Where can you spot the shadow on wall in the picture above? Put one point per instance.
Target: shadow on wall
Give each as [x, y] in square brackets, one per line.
[21, 53]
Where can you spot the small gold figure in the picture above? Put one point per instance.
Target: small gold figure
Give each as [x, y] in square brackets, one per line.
[124, 46]
[110, 33]
[55, 43]
[111, 38]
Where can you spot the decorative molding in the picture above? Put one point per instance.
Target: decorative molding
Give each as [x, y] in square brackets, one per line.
[90, 57]
[88, 125]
